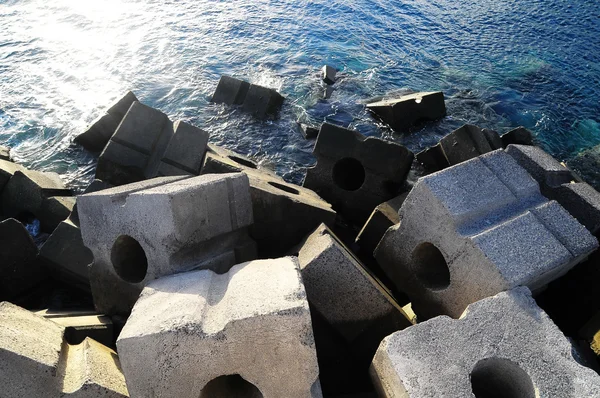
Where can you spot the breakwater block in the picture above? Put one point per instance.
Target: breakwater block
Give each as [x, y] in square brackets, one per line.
[409, 110]
[19, 268]
[355, 173]
[503, 346]
[142, 231]
[559, 183]
[38, 362]
[308, 132]
[517, 136]
[476, 229]
[345, 293]
[246, 332]
[7, 171]
[328, 74]
[284, 213]
[147, 144]
[82, 324]
[4, 153]
[257, 100]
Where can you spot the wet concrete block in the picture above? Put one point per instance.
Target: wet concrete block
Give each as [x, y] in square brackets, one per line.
[402, 113]
[474, 230]
[221, 160]
[345, 293]
[247, 330]
[432, 158]
[328, 74]
[19, 268]
[469, 142]
[230, 91]
[308, 132]
[185, 151]
[142, 231]
[262, 101]
[99, 132]
[354, 173]
[518, 136]
[35, 360]
[503, 346]
[4, 153]
[587, 165]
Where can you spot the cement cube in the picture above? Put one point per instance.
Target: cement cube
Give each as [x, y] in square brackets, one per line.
[185, 151]
[469, 142]
[402, 113]
[7, 170]
[200, 334]
[146, 230]
[308, 132]
[230, 91]
[474, 230]
[79, 325]
[328, 74]
[503, 346]
[35, 361]
[262, 101]
[354, 173]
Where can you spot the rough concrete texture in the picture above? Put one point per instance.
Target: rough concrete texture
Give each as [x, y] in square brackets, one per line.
[345, 293]
[503, 346]
[35, 361]
[354, 173]
[469, 142]
[383, 217]
[142, 231]
[99, 132]
[4, 153]
[257, 100]
[189, 329]
[402, 113]
[221, 160]
[19, 268]
[474, 230]
[559, 183]
[147, 144]
[519, 136]
[328, 74]
[230, 91]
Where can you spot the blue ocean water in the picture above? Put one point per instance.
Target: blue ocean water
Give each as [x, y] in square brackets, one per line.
[501, 63]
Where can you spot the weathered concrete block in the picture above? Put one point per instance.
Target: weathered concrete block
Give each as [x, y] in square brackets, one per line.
[185, 151]
[4, 153]
[474, 230]
[345, 293]
[55, 210]
[7, 170]
[36, 362]
[402, 113]
[432, 158]
[328, 74]
[383, 217]
[221, 160]
[81, 325]
[248, 328]
[469, 142]
[518, 136]
[559, 183]
[162, 226]
[262, 101]
[503, 346]
[308, 132]
[355, 173]
[230, 91]
[19, 268]
[98, 134]
[587, 165]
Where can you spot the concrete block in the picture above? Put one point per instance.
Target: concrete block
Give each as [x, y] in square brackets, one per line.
[345, 293]
[7, 170]
[4, 153]
[474, 230]
[469, 142]
[247, 331]
[262, 101]
[19, 268]
[559, 183]
[402, 113]
[328, 74]
[587, 165]
[221, 160]
[142, 231]
[99, 132]
[79, 326]
[432, 159]
[383, 217]
[230, 91]
[519, 136]
[35, 361]
[185, 151]
[308, 132]
[55, 210]
[503, 346]
[354, 173]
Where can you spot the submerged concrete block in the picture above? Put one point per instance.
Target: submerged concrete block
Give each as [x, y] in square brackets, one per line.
[257, 100]
[98, 134]
[142, 231]
[503, 346]
[469, 142]
[308, 132]
[328, 74]
[402, 113]
[474, 230]
[354, 173]
[35, 361]
[7, 170]
[230, 91]
[249, 328]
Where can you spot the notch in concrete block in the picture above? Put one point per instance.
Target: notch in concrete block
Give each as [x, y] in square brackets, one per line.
[409, 110]
[262, 101]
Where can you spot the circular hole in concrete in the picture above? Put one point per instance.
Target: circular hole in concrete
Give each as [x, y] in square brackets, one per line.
[500, 378]
[231, 386]
[348, 174]
[243, 162]
[284, 188]
[129, 259]
[430, 266]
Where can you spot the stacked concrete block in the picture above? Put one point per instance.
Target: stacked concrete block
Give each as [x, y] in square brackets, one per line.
[328, 74]
[200, 334]
[147, 144]
[142, 231]
[432, 158]
[345, 293]
[98, 134]
[4, 153]
[355, 173]
[257, 100]
[35, 361]
[587, 165]
[19, 267]
[7, 171]
[559, 183]
[404, 112]
[476, 229]
[517, 136]
[221, 160]
[503, 346]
